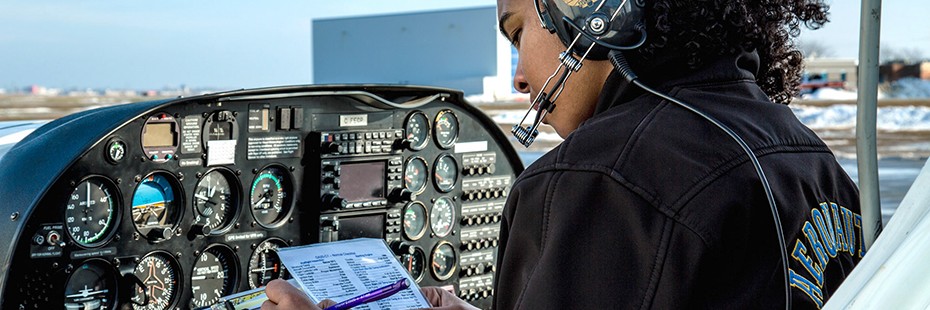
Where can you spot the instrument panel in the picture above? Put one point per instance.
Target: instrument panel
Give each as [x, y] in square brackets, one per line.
[173, 204]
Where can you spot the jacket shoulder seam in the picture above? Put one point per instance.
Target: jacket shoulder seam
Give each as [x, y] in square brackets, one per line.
[616, 176]
[544, 231]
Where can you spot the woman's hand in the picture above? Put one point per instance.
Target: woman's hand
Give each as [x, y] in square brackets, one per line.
[283, 295]
[444, 300]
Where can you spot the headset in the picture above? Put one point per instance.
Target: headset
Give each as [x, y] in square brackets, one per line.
[602, 29]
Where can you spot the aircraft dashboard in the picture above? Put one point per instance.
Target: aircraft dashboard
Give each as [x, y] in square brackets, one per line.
[172, 204]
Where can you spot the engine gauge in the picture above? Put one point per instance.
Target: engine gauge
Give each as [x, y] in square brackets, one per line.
[417, 128]
[91, 286]
[214, 275]
[414, 220]
[442, 216]
[415, 175]
[446, 128]
[443, 261]
[92, 211]
[445, 173]
[159, 272]
[413, 263]
[156, 205]
[270, 196]
[216, 200]
[265, 265]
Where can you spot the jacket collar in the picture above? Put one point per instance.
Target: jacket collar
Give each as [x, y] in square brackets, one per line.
[669, 70]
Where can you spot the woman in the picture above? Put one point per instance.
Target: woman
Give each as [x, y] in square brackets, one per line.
[647, 205]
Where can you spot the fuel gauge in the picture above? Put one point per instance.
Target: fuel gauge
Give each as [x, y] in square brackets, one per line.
[415, 175]
[414, 220]
[417, 128]
[413, 263]
[447, 129]
[445, 173]
[443, 261]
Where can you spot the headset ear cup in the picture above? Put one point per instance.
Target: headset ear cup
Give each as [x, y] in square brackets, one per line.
[547, 22]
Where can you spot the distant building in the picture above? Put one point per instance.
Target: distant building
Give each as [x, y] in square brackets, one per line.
[893, 71]
[42, 91]
[829, 72]
[459, 49]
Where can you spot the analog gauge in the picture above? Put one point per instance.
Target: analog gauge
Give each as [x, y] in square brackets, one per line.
[91, 286]
[159, 273]
[270, 197]
[414, 263]
[264, 265]
[441, 216]
[445, 173]
[443, 261]
[415, 173]
[92, 211]
[414, 220]
[156, 206]
[214, 276]
[216, 199]
[116, 150]
[417, 127]
[447, 128]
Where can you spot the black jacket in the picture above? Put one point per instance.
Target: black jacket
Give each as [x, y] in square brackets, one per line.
[646, 205]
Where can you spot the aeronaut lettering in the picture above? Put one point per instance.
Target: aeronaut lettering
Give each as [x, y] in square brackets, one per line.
[830, 232]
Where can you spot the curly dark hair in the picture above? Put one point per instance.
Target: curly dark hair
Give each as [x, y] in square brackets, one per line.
[704, 29]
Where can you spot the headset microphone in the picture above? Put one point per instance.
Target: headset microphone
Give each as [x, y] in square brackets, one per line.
[596, 25]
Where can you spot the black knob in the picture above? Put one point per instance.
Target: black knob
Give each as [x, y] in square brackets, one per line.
[333, 169]
[332, 148]
[401, 144]
[201, 229]
[333, 201]
[160, 233]
[401, 195]
[401, 248]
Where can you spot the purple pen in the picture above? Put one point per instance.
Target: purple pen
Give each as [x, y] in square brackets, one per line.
[375, 295]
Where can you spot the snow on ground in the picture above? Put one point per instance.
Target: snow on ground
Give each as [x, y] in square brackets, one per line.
[843, 116]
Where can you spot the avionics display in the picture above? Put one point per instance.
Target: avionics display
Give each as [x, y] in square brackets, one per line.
[369, 226]
[158, 134]
[362, 181]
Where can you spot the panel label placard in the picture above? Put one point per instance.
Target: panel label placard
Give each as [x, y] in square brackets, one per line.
[279, 146]
[258, 118]
[353, 120]
[190, 135]
[252, 235]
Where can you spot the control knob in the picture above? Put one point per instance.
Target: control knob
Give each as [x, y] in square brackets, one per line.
[331, 148]
[401, 248]
[401, 195]
[333, 201]
[160, 233]
[401, 144]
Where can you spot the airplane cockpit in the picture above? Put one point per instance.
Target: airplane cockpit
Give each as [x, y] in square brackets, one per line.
[172, 204]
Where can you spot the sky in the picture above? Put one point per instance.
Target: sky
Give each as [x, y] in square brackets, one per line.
[245, 44]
